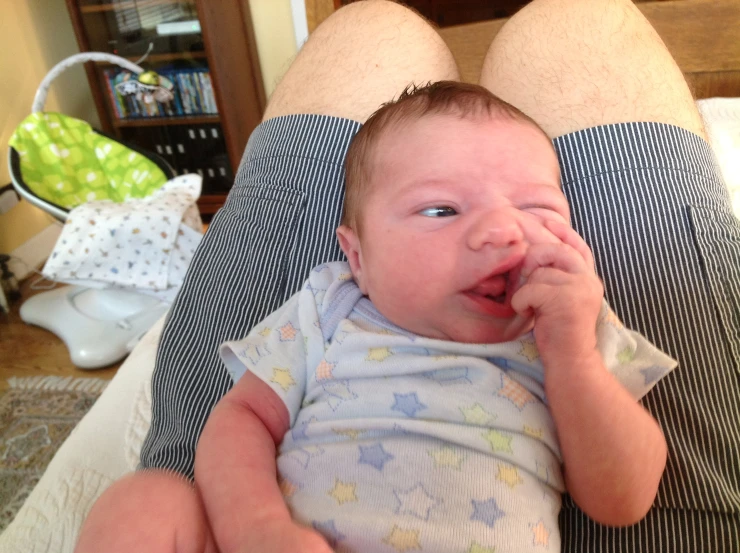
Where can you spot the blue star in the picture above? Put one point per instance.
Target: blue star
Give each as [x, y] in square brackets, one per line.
[487, 512]
[408, 404]
[374, 456]
[299, 431]
[329, 531]
[253, 352]
[652, 374]
[444, 377]
[303, 456]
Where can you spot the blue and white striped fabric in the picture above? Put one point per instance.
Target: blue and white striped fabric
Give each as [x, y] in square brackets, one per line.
[646, 197]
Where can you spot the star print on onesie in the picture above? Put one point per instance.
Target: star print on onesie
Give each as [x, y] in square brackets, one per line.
[402, 443]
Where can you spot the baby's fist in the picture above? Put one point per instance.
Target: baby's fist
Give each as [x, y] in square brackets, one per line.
[563, 293]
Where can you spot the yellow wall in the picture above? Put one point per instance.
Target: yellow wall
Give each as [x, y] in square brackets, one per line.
[34, 36]
[276, 47]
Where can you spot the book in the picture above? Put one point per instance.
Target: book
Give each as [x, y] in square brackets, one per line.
[192, 95]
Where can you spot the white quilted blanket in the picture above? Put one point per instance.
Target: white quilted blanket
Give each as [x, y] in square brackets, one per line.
[104, 446]
[106, 443]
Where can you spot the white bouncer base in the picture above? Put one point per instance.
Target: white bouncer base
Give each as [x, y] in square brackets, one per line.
[99, 327]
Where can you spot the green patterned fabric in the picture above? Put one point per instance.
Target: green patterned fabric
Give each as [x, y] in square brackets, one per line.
[66, 163]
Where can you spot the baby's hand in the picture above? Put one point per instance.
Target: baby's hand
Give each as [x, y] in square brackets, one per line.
[563, 293]
[287, 537]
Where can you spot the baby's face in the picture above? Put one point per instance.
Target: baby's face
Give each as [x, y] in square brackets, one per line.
[454, 206]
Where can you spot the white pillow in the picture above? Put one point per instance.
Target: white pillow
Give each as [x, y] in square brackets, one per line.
[722, 121]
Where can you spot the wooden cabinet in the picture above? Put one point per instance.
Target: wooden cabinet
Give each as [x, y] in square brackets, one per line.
[207, 48]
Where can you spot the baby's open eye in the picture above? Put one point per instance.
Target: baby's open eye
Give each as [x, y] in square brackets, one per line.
[438, 211]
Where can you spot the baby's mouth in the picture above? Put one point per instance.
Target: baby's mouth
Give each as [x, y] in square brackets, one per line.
[497, 290]
[493, 288]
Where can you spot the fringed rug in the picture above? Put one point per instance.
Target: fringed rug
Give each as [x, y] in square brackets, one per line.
[36, 416]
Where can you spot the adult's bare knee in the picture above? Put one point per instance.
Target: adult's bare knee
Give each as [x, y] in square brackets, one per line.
[364, 54]
[573, 64]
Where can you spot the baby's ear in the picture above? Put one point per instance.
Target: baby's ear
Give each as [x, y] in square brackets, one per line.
[350, 244]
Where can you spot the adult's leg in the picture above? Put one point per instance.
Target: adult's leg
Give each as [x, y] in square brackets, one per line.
[281, 214]
[363, 55]
[575, 64]
[648, 199]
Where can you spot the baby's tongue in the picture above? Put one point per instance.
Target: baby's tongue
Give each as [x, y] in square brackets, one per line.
[494, 286]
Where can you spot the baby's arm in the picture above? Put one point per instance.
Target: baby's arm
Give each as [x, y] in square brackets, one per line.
[235, 473]
[614, 452]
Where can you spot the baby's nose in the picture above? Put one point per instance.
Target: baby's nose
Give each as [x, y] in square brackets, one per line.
[499, 228]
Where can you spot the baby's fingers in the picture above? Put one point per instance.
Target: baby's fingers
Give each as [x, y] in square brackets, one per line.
[530, 298]
[570, 237]
[557, 256]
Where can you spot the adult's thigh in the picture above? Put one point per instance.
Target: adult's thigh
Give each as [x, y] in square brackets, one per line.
[574, 64]
[363, 55]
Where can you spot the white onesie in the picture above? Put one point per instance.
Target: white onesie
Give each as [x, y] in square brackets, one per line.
[405, 443]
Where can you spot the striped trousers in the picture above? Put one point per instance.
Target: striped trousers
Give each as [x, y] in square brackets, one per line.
[646, 197]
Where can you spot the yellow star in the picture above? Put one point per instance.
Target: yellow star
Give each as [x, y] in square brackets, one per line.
[324, 370]
[533, 432]
[403, 540]
[446, 457]
[343, 492]
[475, 414]
[529, 349]
[282, 378]
[378, 354]
[498, 441]
[543, 473]
[287, 488]
[265, 332]
[345, 276]
[541, 534]
[351, 433]
[509, 476]
[475, 547]
[626, 355]
[444, 357]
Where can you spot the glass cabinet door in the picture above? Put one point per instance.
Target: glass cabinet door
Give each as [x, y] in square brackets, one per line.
[164, 36]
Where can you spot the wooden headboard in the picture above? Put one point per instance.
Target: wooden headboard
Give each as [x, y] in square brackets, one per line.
[702, 35]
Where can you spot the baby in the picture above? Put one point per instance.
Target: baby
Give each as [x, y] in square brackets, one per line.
[442, 389]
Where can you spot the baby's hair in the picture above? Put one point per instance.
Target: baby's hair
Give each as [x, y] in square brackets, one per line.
[442, 97]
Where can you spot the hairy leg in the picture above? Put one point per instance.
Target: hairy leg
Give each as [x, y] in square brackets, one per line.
[574, 64]
[363, 55]
[149, 511]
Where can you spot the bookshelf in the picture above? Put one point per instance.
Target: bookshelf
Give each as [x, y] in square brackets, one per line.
[207, 48]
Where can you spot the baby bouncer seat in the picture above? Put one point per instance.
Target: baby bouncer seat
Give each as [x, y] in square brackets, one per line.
[57, 163]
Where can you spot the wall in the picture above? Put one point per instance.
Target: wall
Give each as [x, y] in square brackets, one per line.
[276, 44]
[34, 36]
